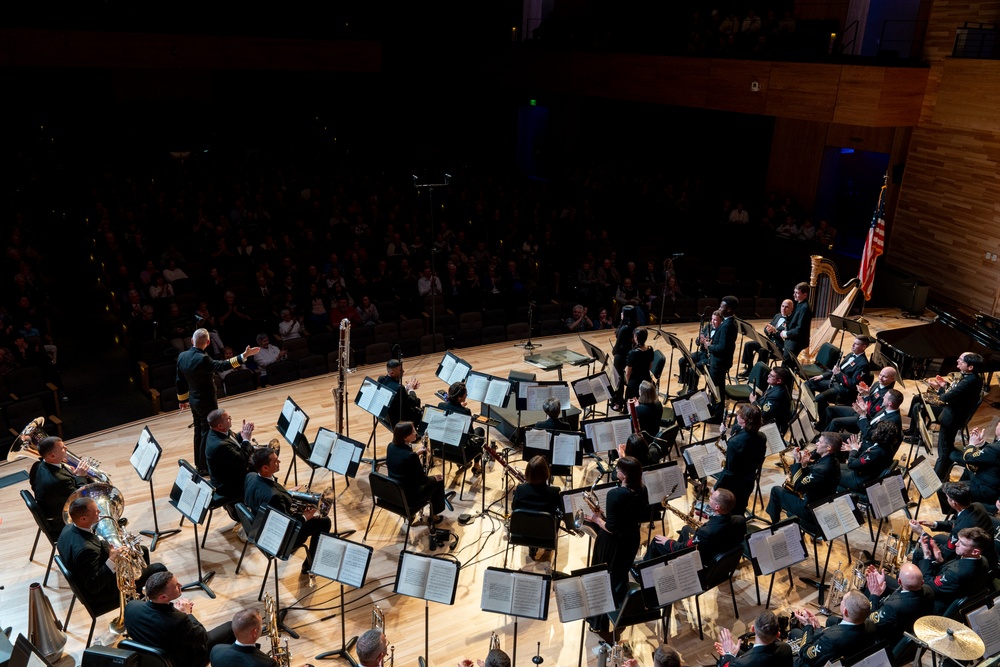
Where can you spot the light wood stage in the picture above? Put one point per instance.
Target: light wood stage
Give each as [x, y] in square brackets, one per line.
[458, 631]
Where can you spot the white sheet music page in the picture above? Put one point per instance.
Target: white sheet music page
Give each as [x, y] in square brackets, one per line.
[477, 385]
[324, 444]
[571, 599]
[144, 455]
[885, 496]
[925, 479]
[601, 388]
[564, 449]
[497, 393]
[287, 409]
[602, 434]
[273, 533]
[775, 443]
[597, 587]
[675, 579]
[537, 438]
[498, 591]
[583, 387]
[297, 425]
[412, 578]
[329, 557]
[702, 406]
[446, 368]
[342, 456]
[352, 570]
[664, 482]
[573, 502]
[440, 580]
[529, 596]
[985, 621]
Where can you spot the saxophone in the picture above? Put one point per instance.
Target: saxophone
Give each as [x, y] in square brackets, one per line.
[593, 502]
[790, 478]
[279, 649]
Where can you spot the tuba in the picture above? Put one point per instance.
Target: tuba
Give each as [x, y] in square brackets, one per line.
[26, 445]
[279, 648]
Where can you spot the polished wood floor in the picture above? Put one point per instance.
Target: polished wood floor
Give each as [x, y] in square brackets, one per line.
[458, 631]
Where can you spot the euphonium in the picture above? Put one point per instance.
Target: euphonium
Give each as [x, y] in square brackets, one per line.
[304, 500]
[26, 445]
[494, 642]
[279, 649]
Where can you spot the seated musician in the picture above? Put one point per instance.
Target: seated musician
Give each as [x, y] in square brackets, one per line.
[689, 376]
[967, 513]
[372, 647]
[820, 475]
[868, 404]
[635, 447]
[535, 493]
[403, 466]
[457, 396]
[722, 532]
[772, 330]
[854, 634]
[495, 658]
[897, 602]
[746, 449]
[839, 385]
[244, 652]
[776, 403]
[649, 412]
[963, 575]
[553, 411]
[982, 466]
[228, 457]
[888, 414]
[405, 406]
[164, 621]
[53, 483]
[767, 650]
[261, 490]
[869, 458]
[91, 559]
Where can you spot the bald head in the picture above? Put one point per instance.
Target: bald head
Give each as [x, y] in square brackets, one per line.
[910, 577]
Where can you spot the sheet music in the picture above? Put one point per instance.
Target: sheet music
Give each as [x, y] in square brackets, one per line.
[446, 427]
[836, 517]
[341, 560]
[564, 449]
[537, 438]
[985, 621]
[513, 593]
[287, 409]
[879, 658]
[775, 443]
[296, 425]
[778, 550]
[427, 578]
[674, 579]
[373, 398]
[342, 456]
[325, 442]
[536, 395]
[695, 409]
[574, 501]
[802, 428]
[924, 478]
[145, 455]
[583, 387]
[498, 392]
[706, 459]
[583, 596]
[608, 433]
[476, 385]
[666, 481]
[453, 369]
[885, 496]
[272, 535]
[189, 499]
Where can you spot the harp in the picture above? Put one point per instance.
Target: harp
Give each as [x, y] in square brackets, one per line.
[827, 296]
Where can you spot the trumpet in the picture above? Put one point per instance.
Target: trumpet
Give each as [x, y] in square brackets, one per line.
[26, 445]
[494, 642]
[279, 649]
[378, 623]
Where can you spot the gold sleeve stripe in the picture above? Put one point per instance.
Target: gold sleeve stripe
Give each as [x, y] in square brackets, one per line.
[182, 398]
[235, 361]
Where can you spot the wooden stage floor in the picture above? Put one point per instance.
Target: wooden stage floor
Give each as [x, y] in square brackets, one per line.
[458, 631]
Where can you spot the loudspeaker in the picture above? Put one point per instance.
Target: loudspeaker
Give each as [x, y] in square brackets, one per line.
[108, 656]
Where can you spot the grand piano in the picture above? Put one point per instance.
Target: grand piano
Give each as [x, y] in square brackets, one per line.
[933, 348]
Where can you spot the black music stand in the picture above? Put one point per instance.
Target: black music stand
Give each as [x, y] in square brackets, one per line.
[528, 596]
[342, 456]
[345, 562]
[437, 582]
[830, 533]
[670, 565]
[191, 495]
[760, 545]
[292, 422]
[276, 537]
[375, 399]
[585, 593]
[144, 460]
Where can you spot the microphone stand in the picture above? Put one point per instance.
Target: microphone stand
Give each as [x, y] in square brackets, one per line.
[528, 345]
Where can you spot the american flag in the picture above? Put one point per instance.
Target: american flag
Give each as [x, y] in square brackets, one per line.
[874, 246]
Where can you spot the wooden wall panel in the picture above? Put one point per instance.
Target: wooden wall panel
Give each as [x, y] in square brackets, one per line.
[969, 95]
[796, 157]
[808, 93]
[877, 139]
[731, 81]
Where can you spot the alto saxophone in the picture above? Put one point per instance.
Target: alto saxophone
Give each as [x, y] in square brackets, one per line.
[790, 478]
[686, 518]
[279, 648]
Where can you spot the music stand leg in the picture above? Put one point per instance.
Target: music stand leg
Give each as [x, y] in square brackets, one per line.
[427, 633]
[281, 612]
[770, 588]
[345, 650]
[336, 533]
[156, 533]
[375, 461]
[513, 659]
[821, 584]
[203, 579]
[583, 642]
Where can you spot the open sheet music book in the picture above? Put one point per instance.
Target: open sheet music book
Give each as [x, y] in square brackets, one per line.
[664, 480]
[561, 447]
[427, 577]
[336, 452]
[487, 389]
[276, 532]
[573, 499]
[583, 594]
[146, 454]
[985, 621]
[706, 459]
[697, 408]
[535, 393]
[835, 515]
[775, 443]
[879, 658]
[373, 398]
[777, 547]
[453, 369]
[673, 578]
[446, 427]
[191, 494]
[801, 429]
[607, 434]
[516, 593]
[341, 560]
[593, 389]
[887, 495]
[292, 421]
[924, 478]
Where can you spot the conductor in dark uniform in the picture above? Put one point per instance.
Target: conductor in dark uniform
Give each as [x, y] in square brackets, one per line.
[819, 479]
[405, 406]
[719, 534]
[53, 483]
[261, 490]
[196, 387]
[403, 466]
[853, 635]
[767, 650]
[91, 559]
[244, 652]
[799, 326]
[228, 457]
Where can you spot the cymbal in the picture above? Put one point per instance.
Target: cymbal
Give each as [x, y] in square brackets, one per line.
[949, 638]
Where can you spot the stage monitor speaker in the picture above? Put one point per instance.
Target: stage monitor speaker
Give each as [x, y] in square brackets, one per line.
[108, 656]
